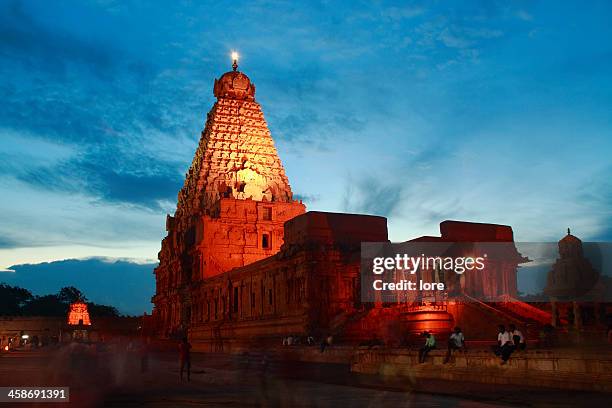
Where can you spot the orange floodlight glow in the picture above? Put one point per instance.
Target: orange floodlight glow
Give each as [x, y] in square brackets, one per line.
[78, 314]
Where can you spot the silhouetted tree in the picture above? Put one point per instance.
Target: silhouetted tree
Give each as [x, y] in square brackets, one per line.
[96, 310]
[48, 305]
[70, 294]
[13, 299]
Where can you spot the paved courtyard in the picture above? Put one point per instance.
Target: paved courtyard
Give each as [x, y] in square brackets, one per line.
[114, 378]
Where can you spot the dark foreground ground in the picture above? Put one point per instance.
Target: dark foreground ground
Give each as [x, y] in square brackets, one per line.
[114, 378]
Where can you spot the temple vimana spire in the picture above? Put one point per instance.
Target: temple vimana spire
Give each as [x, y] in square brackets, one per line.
[236, 156]
[232, 206]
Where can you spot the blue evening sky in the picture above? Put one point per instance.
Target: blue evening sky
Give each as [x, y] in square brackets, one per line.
[419, 111]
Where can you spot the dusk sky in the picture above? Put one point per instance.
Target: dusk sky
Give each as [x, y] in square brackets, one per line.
[482, 111]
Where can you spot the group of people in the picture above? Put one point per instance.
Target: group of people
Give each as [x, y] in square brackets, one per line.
[456, 341]
[294, 340]
[508, 341]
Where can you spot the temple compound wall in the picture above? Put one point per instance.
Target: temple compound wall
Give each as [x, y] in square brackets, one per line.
[311, 287]
[49, 330]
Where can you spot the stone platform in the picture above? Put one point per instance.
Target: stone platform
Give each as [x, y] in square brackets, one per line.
[567, 369]
[563, 369]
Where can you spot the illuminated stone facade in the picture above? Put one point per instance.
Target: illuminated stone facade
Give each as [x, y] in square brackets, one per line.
[310, 287]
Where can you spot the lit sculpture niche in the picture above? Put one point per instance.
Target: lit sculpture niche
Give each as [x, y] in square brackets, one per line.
[78, 314]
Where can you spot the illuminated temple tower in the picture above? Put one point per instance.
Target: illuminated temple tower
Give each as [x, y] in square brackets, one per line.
[232, 207]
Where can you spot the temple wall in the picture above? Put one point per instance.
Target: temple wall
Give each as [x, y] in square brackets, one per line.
[46, 328]
[244, 232]
[33, 326]
[309, 288]
[262, 300]
[265, 301]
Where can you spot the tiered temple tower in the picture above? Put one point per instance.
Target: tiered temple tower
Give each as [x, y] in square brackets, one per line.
[233, 204]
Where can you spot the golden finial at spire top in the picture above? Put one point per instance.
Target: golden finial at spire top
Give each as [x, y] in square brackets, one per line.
[235, 57]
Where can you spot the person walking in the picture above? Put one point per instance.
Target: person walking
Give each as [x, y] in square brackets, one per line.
[144, 355]
[185, 358]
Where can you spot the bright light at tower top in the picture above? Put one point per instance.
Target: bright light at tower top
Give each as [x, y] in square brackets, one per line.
[235, 60]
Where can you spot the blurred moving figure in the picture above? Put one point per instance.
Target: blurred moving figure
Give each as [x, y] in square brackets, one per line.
[185, 358]
[144, 355]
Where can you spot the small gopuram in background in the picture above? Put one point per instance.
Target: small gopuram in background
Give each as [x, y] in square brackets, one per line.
[78, 314]
[78, 321]
[574, 286]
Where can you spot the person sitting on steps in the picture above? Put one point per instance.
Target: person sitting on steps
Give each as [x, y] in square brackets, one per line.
[517, 338]
[430, 344]
[456, 341]
[504, 344]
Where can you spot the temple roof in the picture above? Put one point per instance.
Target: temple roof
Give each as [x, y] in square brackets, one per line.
[458, 231]
[570, 246]
[569, 238]
[234, 85]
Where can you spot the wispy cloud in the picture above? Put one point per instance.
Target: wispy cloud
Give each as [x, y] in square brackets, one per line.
[369, 195]
[436, 111]
[523, 15]
[307, 198]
